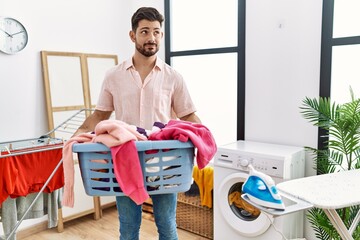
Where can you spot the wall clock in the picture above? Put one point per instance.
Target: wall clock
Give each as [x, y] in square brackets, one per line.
[13, 35]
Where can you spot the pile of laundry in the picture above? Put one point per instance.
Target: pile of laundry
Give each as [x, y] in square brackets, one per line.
[120, 138]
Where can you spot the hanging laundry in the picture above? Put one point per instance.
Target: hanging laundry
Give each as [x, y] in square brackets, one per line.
[8, 175]
[27, 173]
[204, 179]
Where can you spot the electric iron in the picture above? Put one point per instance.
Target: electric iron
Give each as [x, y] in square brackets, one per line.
[260, 189]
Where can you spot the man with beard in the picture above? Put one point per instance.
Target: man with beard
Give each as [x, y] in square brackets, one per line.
[141, 91]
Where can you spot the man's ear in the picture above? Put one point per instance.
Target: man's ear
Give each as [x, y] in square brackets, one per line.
[132, 35]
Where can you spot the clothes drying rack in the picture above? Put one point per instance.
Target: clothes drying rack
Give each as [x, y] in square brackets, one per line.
[44, 143]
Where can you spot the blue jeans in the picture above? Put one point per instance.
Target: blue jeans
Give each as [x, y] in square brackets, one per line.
[130, 215]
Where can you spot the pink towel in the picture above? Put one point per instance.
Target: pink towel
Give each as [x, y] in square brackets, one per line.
[115, 132]
[128, 173]
[120, 137]
[199, 135]
[68, 165]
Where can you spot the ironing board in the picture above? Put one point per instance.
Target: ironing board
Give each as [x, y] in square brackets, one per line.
[328, 192]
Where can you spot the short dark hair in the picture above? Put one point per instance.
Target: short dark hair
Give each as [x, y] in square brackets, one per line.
[147, 13]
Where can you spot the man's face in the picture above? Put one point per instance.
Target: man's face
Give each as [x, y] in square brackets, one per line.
[147, 37]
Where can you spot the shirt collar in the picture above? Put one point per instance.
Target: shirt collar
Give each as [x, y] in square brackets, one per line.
[159, 64]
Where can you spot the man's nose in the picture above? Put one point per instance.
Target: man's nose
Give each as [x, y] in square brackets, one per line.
[152, 37]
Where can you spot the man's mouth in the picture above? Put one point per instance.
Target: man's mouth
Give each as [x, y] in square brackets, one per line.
[150, 45]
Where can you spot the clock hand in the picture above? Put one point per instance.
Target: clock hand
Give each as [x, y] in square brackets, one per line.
[16, 33]
[9, 35]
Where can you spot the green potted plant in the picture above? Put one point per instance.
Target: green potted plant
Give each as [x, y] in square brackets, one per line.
[341, 152]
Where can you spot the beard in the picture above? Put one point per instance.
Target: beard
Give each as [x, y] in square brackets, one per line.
[145, 51]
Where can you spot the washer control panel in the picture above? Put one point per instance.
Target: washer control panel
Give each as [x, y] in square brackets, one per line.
[266, 164]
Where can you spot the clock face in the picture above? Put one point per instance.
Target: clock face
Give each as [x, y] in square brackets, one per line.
[13, 36]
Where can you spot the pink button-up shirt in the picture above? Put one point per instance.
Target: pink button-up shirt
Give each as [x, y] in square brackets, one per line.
[162, 96]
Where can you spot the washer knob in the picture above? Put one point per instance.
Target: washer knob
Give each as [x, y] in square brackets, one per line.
[244, 162]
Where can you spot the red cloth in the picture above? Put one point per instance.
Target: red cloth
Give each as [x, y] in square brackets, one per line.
[128, 171]
[27, 173]
[8, 177]
[199, 135]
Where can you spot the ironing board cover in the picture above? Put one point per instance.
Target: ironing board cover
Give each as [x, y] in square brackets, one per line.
[327, 191]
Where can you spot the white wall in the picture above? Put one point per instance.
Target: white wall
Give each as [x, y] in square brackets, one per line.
[283, 40]
[282, 62]
[98, 26]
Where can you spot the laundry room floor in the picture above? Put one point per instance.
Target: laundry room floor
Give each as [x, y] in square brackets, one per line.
[105, 228]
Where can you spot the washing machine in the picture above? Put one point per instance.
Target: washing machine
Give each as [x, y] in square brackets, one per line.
[233, 219]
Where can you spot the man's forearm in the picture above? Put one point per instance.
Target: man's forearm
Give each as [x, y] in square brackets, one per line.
[192, 117]
[90, 122]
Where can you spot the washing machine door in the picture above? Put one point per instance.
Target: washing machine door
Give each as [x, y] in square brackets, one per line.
[241, 216]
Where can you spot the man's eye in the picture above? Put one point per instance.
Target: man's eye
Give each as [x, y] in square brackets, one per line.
[144, 32]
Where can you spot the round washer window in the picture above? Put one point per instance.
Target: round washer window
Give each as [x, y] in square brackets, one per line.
[240, 208]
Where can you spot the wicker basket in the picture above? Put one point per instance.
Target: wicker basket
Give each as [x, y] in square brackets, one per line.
[171, 167]
[193, 217]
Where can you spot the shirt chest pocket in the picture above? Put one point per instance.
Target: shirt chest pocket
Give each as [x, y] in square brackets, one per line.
[162, 101]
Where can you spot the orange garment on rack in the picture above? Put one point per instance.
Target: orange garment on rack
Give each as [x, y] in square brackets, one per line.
[204, 178]
[27, 173]
[8, 179]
